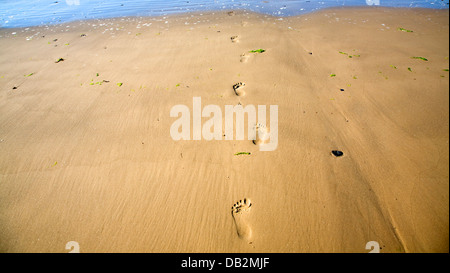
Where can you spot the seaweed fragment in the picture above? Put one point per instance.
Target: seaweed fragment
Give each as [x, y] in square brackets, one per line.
[242, 153]
[257, 51]
[420, 58]
[350, 56]
[404, 29]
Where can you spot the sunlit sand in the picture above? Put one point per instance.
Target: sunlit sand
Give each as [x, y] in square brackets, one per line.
[86, 154]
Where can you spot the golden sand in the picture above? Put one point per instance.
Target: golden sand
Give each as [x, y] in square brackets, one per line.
[86, 153]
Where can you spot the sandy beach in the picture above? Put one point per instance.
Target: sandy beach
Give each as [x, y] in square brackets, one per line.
[86, 153]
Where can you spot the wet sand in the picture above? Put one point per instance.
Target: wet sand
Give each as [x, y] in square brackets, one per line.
[86, 153]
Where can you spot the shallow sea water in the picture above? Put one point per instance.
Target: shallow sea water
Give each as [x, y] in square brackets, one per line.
[25, 13]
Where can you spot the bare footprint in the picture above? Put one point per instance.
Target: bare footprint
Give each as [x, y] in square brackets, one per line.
[234, 39]
[244, 57]
[238, 89]
[260, 137]
[239, 212]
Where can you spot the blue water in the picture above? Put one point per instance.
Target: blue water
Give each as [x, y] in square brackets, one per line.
[24, 13]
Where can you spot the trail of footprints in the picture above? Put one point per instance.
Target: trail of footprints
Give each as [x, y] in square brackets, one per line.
[241, 209]
[244, 57]
[239, 89]
[260, 131]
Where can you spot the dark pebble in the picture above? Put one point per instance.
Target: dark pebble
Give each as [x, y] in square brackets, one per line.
[337, 153]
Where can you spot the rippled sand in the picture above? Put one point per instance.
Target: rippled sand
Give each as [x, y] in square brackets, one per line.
[86, 153]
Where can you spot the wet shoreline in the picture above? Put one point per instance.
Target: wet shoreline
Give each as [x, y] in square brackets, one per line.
[14, 14]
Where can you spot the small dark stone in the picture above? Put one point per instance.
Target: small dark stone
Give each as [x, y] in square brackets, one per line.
[15, 87]
[310, 53]
[337, 153]
[342, 90]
